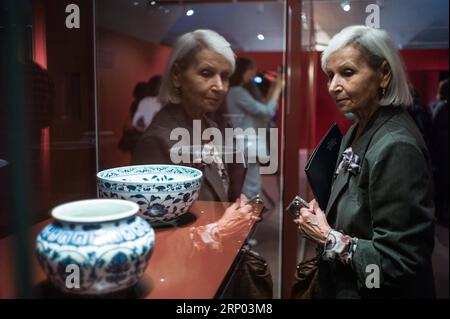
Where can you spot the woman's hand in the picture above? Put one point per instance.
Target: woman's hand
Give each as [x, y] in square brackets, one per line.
[312, 223]
[279, 81]
[236, 218]
[243, 200]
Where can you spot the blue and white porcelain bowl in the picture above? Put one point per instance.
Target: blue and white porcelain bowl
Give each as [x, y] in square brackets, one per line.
[95, 246]
[163, 192]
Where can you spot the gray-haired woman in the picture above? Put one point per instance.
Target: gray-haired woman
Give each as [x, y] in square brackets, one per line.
[375, 237]
[195, 82]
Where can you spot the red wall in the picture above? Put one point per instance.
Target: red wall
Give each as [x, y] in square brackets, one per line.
[265, 61]
[122, 61]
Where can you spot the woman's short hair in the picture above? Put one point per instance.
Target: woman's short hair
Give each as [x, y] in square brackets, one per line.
[242, 65]
[184, 49]
[376, 46]
[443, 90]
[154, 84]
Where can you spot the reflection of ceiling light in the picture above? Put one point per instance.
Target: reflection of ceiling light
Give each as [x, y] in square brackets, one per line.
[257, 79]
[136, 3]
[345, 5]
[189, 12]
[260, 36]
[166, 11]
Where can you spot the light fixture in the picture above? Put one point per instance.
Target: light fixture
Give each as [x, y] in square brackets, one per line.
[189, 12]
[257, 79]
[345, 5]
[152, 3]
[260, 36]
[135, 3]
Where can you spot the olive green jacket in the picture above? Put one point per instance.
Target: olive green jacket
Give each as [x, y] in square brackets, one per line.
[389, 207]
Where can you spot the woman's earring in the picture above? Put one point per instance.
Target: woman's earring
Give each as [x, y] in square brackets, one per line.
[383, 91]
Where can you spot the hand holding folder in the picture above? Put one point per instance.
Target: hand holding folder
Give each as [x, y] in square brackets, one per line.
[321, 165]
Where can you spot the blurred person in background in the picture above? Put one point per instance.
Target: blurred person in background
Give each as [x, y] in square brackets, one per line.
[245, 111]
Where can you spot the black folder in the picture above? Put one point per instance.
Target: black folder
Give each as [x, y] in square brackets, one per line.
[321, 165]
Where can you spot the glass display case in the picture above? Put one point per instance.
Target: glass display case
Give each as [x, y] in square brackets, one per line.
[79, 81]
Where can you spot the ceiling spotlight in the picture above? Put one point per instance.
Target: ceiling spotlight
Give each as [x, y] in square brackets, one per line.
[135, 3]
[260, 36]
[152, 3]
[257, 79]
[189, 12]
[345, 5]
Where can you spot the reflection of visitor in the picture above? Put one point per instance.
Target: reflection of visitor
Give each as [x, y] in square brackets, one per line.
[195, 83]
[207, 248]
[442, 95]
[130, 134]
[237, 217]
[139, 92]
[440, 140]
[148, 106]
[247, 112]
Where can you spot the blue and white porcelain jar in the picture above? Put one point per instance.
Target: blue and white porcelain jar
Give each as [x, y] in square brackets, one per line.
[95, 246]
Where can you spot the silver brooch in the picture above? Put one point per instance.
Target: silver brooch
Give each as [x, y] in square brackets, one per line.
[350, 162]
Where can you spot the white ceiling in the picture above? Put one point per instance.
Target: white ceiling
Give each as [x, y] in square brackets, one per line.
[412, 23]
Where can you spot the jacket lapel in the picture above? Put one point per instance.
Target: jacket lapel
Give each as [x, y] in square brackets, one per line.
[342, 179]
[211, 173]
[383, 114]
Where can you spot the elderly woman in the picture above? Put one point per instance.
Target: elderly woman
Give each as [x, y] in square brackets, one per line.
[375, 238]
[195, 82]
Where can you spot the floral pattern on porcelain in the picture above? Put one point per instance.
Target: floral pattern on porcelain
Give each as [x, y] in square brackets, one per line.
[110, 256]
[163, 192]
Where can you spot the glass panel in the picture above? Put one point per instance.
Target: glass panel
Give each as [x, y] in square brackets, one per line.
[49, 111]
[47, 152]
[133, 44]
